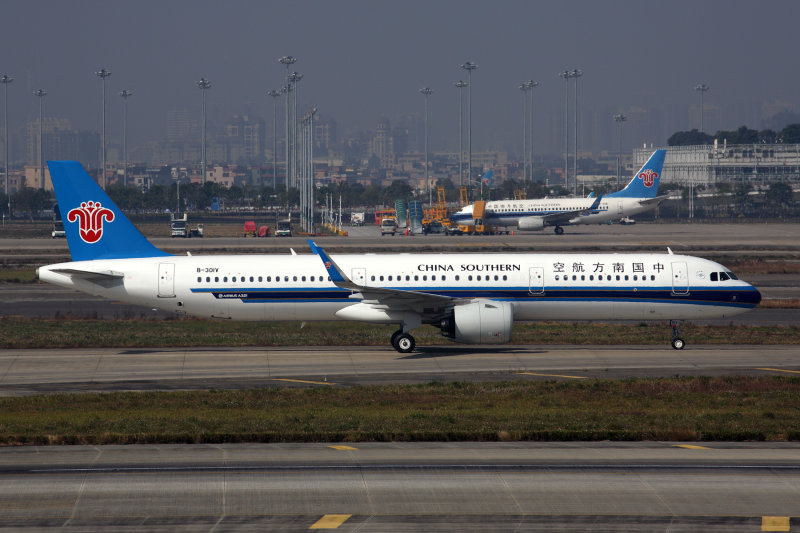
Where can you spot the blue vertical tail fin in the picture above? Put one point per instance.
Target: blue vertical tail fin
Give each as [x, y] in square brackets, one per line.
[95, 226]
[644, 183]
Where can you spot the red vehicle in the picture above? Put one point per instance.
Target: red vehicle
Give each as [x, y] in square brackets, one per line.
[249, 228]
[263, 231]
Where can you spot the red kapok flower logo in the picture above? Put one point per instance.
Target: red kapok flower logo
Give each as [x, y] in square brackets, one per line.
[648, 177]
[90, 217]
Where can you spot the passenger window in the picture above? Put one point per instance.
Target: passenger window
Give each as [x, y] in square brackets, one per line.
[380, 278]
[424, 278]
[617, 277]
[294, 278]
[304, 278]
[390, 278]
[251, 278]
[591, 277]
[583, 277]
[208, 279]
[626, 277]
[260, 279]
[416, 277]
[556, 277]
[478, 277]
[433, 278]
[505, 277]
[408, 278]
[496, 277]
[372, 278]
[225, 279]
[444, 278]
[286, 279]
[469, 278]
[216, 279]
[635, 277]
[233, 279]
[458, 277]
[199, 279]
[652, 277]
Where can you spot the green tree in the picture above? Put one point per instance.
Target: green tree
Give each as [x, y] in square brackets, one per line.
[689, 138]
[791, 134]
[31, 201]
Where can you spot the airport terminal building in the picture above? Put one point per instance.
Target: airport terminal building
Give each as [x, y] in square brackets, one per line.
[752, 164]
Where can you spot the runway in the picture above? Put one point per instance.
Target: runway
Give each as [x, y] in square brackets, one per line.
[376, 487]
[24, 372]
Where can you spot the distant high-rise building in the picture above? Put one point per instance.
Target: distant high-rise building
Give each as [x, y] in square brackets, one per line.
[182, 126]
[247, 132]
[382, 143]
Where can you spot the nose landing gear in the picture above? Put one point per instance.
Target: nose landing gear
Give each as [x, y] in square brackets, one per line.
[677, 342]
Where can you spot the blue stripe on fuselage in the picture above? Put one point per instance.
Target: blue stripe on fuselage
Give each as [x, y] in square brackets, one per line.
[739, 297]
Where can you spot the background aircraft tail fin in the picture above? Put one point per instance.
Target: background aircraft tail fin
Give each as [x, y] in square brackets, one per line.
[644, 183]
[95, 226]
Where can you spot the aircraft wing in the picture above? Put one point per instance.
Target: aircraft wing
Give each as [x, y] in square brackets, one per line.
[567, 217]
[393, 299]
[657, 200]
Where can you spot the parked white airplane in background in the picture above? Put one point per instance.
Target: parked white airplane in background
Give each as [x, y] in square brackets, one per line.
[473, 298]
[640, 195]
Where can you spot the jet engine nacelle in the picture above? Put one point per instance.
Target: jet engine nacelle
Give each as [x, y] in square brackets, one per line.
[531, 223]
[483, 322]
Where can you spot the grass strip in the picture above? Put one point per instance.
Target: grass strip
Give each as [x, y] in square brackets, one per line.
[78, 333]
[675, 409]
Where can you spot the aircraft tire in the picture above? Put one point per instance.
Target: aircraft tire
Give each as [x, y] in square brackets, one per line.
[559, 230]
[678, 343]
[405, 343]
[394, 337]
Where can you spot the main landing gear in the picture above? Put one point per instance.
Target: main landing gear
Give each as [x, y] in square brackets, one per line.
[677, 342]
[403, 342]
[559, 230]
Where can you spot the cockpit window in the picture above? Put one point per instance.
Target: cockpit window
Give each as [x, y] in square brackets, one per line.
[713, 276]
[723, 276]
[731, 275]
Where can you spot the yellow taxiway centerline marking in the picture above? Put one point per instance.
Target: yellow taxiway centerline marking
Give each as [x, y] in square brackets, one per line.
[550, 375]
[780, 370]
[774, 523]
[342, 447]
[330, 521]
[304, 381]
[691, 446]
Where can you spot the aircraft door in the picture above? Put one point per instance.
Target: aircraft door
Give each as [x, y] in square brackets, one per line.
[680, 278]
[359, 275]
[166, 280]
[536, 280]
[620, 207]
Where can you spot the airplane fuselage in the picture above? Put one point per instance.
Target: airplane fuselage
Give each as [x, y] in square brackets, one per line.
[558, 286]
[508, 213]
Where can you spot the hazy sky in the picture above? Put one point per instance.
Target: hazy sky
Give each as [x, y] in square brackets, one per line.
[365, 59]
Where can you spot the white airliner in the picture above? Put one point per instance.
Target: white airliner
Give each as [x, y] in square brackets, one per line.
[640, 195]
[473, 298]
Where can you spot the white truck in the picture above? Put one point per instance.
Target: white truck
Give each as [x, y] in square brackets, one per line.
[357, 219]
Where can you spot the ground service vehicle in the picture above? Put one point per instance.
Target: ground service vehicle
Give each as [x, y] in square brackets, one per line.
[356, 219]
[178, 225]
[388, 225]
[284, 228]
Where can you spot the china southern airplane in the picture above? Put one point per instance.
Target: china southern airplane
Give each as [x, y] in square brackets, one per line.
[472, 298]
[640, 195]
